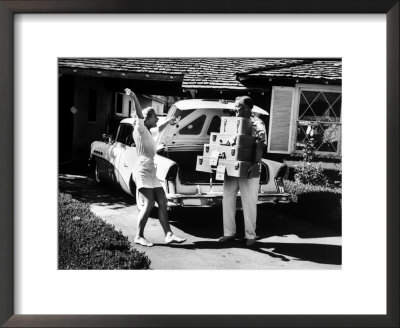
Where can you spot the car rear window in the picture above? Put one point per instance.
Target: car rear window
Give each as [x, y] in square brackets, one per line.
[181, 114]
[194, 127]
[214, 125]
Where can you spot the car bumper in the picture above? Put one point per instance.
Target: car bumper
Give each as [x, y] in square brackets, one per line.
[214, 200]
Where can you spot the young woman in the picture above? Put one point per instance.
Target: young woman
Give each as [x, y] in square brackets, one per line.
[145, 173]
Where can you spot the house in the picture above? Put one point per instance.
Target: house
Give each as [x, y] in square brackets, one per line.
[303, 97]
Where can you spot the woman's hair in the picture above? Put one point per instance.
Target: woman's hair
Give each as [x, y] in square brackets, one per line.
[148, 111]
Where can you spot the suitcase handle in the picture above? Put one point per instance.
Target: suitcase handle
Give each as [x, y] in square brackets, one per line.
[227, 142]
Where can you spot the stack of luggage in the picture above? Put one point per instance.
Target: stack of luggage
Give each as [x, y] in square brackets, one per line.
[232, 151]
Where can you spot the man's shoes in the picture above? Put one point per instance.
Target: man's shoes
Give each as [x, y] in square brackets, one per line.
[142, 241]
[250, 242]
[169, 239]
[226, 239]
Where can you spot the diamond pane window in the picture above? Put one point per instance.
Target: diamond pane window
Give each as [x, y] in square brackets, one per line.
[319, 118]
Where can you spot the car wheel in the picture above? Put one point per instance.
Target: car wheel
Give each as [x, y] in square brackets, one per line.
[96, 173]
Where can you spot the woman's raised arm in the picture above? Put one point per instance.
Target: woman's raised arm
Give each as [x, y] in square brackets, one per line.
[138, 108]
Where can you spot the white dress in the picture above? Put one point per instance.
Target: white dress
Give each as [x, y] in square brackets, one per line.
[144, 172]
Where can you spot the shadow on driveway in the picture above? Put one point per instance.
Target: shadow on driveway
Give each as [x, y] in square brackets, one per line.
[317, 253]
[88, 191]
[207, 223]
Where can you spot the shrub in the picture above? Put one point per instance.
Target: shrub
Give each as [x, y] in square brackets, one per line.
[316, 203]
[310, 173]
[85, 241]
[295, 188]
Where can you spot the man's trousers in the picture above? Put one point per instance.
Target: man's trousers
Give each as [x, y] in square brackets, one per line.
[249, 194]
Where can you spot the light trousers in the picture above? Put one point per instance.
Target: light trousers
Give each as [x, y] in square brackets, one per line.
[249, 194]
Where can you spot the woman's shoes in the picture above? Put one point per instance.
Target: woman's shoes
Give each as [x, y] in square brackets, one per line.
[142, 241]
[171, 238]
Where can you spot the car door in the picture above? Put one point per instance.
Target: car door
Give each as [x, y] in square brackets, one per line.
[127, 157]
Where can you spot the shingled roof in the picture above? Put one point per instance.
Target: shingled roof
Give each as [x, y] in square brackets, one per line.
[319, 69]
[215, 73]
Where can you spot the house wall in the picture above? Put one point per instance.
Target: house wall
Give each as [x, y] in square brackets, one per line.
[86, 132]
[147, 102]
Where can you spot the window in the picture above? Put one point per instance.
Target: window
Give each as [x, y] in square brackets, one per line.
[123, 105]
[130, 108]
[124, 134]
[92, 105]
[304, 112]
[181, 114]
[119, 103]
[194, 127]
[319, 117]
[214, 125]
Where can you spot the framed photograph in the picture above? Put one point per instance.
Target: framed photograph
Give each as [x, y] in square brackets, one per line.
[44, 43]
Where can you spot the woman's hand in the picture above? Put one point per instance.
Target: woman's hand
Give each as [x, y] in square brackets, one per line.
[172, 120]
[129, 92]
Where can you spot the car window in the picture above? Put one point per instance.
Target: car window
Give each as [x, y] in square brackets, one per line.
[124, 134]
[194, 127]
[181, 114]
[214, 125]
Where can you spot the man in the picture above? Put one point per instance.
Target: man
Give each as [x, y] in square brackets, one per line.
[248, 186]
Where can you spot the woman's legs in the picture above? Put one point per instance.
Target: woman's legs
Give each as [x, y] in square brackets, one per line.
[161, 199]
[148, 198]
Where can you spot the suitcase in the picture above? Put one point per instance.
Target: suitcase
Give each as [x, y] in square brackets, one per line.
[233, 153]
[240, 169]
[230, 139]
[235, 125]
[203, 164]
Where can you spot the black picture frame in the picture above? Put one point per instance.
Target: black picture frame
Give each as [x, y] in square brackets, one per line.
[11, 7]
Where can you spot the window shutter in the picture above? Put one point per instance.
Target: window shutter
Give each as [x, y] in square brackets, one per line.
[280, 120]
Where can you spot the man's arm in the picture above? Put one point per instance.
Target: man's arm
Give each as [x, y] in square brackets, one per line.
[261, 141]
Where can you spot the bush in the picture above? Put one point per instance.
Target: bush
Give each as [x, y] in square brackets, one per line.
[316, 203]
[310, 173]
[295, 188]
[85, 241]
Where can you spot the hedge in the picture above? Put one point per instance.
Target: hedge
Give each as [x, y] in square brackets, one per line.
[316, 203]
[85, 241]
[297, 188]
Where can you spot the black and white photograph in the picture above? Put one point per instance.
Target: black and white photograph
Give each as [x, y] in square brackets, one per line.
[199, 163]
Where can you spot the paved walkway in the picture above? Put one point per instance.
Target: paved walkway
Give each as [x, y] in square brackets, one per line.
[284, 242]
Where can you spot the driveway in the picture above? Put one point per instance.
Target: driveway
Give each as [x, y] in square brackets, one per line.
[284, 241]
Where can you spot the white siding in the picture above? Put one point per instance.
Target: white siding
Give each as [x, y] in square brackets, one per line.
[281, 120]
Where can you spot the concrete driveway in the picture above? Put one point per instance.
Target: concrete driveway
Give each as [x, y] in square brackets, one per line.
[284, 241]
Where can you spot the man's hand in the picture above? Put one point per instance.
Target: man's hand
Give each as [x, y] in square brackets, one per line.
[250, 169]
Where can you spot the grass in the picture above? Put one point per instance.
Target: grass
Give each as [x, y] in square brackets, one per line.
[85, 241]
